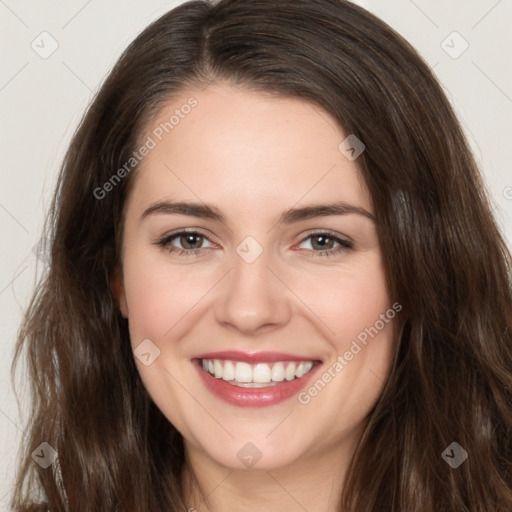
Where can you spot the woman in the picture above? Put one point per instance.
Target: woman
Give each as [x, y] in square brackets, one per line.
[275, 281]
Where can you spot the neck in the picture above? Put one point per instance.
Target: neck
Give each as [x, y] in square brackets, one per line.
[313, 483]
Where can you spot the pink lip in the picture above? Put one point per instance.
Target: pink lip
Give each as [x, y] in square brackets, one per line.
[254, 397]
[253, 357]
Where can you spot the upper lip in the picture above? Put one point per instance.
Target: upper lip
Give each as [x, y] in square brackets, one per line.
[254, 357]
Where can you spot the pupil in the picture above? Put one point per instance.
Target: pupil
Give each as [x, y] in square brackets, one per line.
[323, 240]
[189, 240]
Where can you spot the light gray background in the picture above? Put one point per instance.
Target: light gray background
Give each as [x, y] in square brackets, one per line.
[42, 100]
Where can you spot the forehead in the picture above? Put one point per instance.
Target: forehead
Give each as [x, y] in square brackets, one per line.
[232, 147]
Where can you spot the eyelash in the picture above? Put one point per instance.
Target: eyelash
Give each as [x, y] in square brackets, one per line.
[165, 241]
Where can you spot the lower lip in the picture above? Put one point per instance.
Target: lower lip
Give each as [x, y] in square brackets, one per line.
[254, 397]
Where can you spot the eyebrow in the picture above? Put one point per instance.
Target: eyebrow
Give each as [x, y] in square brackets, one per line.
[205, 211]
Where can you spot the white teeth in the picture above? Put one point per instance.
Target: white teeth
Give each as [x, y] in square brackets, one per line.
[303, 368]
[228, 373]
[290, 371]
[278, 372]
[243, 372]
[253, 384]
[259, 375]
[217, 369]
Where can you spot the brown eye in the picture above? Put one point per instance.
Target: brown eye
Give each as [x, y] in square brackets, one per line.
[191, 240]
[326, 244]
[186, 243]
[322, 242]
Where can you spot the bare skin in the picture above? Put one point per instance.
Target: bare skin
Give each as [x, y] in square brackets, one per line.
[253, 157]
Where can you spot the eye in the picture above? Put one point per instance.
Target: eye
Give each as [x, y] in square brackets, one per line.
[324, 244]
[191, 242]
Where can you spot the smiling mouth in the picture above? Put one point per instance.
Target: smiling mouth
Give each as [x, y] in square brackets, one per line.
[259, 375]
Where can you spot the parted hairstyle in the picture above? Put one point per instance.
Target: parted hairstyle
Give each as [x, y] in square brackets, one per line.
[445, 261]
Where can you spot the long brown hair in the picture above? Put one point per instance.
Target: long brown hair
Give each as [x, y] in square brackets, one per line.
[445, 261]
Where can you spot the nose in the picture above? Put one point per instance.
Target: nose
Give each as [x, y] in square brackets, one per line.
[253, 298]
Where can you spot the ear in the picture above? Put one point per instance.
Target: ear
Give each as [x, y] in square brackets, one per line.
[117, 287]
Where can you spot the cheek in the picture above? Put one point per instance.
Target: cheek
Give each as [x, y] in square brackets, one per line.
[357, 318]
[352, 305]
[160, 296]
[343, 301]
[349, 300]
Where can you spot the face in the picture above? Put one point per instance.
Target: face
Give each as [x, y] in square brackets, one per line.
[259, 318]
